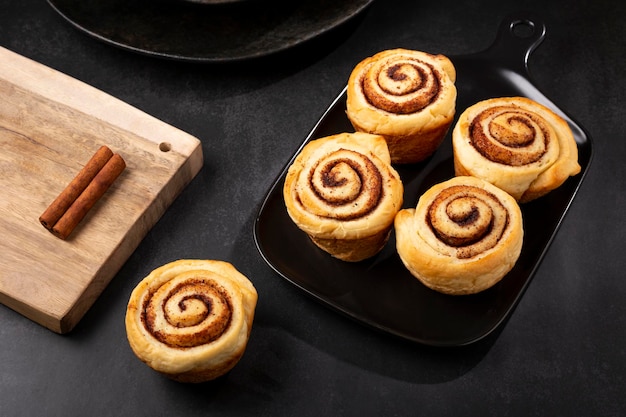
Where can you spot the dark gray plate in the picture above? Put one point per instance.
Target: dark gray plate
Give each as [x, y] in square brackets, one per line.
[190, 31]
[380, 292]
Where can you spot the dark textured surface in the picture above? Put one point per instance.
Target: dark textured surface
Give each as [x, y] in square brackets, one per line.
[563, 351]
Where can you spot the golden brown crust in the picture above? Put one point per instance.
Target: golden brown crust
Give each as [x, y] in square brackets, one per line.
[516, 144]
[408, 97]
[463, 236]
[342, 191]
[191, 319]
[353, 250]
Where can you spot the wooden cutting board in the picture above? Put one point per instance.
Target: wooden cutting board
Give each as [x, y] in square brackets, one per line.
[50, 126]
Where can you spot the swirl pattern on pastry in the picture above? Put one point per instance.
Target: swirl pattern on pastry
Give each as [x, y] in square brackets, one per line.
[463, 236]
[190, 310]
[407, 96]
[516, 144]
[342, 185]
[401, 84]
[191, 319]
[342, 191]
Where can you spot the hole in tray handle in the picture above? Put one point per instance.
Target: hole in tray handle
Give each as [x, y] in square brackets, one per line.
[523, 29]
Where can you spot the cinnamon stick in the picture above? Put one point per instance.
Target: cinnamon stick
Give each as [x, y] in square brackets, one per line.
[71, 206]
[60, 205]
[86, 200]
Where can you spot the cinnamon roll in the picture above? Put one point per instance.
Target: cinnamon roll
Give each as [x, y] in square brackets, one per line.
[407, 96]
[342, 191]
[516, 144]
[463, 236]
[191, 319]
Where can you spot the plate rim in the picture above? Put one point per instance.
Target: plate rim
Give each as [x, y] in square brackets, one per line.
[360, 7]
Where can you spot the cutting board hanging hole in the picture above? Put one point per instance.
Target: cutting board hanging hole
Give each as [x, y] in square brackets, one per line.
[165, 147]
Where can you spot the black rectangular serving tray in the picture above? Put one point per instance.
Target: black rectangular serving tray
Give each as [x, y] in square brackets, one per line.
[380, 292]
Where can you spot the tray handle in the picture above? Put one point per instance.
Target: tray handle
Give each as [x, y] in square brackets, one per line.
[518, 36]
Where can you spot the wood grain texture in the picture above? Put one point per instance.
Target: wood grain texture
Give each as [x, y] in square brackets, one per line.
[50, 125]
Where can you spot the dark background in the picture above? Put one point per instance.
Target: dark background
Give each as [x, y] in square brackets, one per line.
[563, 351]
